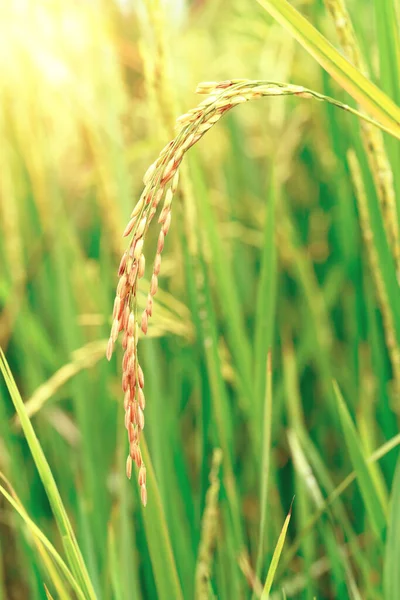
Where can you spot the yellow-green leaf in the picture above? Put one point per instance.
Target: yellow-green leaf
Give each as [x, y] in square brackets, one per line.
[368, 95]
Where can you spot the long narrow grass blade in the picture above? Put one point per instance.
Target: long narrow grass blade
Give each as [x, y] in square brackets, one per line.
[369, 493]
[265, 464]
[370, 97]
[276, 556]
[116, 583]
[75, 558]
[227, 290]
[338, 510]
[206, 324]
[342, 577]
[339, 490]
[42, 539]
[266, 293]
[164, 567]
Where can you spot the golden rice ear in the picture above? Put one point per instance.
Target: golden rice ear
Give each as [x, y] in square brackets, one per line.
[161, 181]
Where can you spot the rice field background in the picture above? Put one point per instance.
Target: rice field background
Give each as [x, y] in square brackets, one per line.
[272, 357]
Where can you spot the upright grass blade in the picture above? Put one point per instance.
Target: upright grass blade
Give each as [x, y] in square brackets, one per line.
[116, 579]
[392, 550]
[12, 461]
[266, 295]
[121, 526]
[264, 335]
[370, 97]
[384, 269]
[319, 328]
[227, 289]
[276, 556]
[164, 567]
[71, 547]
[373, 505]
[163, 418]
[265, 465]
[206, 324]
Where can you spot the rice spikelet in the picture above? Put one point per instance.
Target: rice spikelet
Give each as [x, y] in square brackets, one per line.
[160, 184]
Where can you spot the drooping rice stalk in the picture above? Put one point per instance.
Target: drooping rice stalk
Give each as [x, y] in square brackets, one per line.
[161, 181]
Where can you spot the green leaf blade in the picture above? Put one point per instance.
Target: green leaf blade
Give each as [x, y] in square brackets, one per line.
[367, 95]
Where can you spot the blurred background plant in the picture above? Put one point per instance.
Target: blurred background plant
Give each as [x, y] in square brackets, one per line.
[284, 244]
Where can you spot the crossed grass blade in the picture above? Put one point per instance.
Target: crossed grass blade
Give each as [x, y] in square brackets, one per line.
[337, 509]
[49, 554]
[372, 500]
[342, 576]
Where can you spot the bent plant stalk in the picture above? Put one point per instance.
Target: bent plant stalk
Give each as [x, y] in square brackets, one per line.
[161, 181]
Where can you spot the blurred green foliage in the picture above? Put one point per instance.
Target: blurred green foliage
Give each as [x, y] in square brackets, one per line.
[267, 252]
